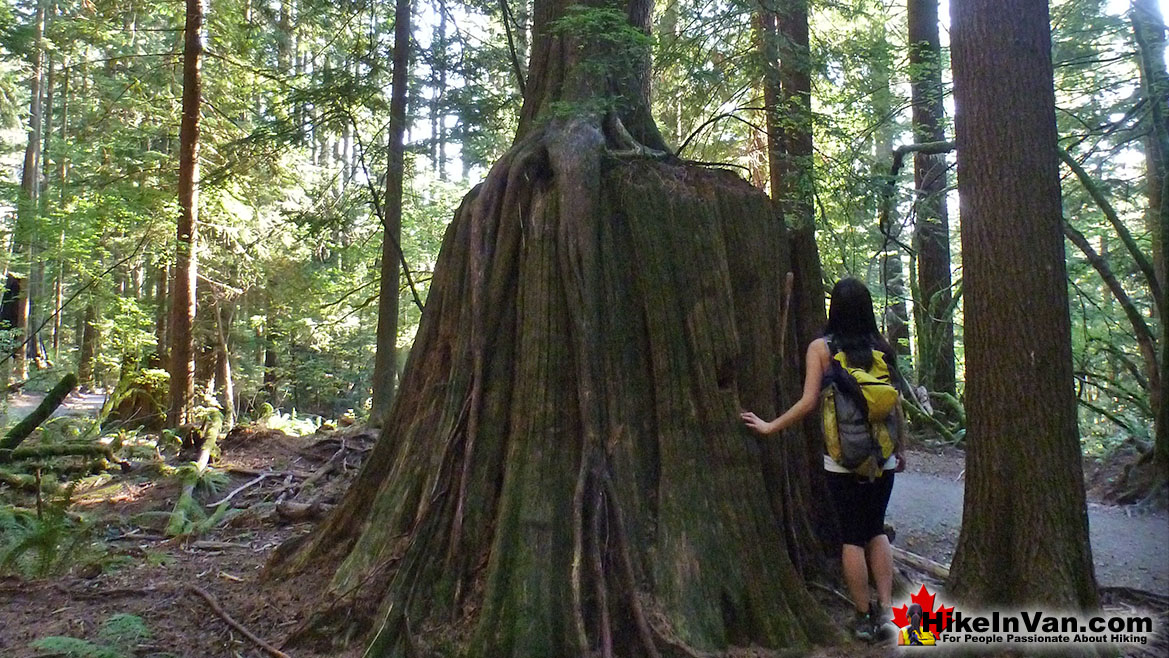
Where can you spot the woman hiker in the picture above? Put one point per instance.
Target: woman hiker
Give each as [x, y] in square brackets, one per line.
[860, 502]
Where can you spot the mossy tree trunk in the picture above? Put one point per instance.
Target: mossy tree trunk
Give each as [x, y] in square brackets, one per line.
[563, 470]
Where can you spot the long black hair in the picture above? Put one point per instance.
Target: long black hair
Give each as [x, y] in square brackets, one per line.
[852, 327]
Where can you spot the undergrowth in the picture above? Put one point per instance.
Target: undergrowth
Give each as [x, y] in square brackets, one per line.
[120, 636]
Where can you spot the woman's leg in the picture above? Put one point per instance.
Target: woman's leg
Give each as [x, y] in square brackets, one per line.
[880, 559]
[856, 576]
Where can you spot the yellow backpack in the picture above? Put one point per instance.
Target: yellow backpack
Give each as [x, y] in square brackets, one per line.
[858, 412]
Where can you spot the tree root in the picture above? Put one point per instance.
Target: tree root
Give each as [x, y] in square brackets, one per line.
[625, 144]
[598, 564]
[626, 560]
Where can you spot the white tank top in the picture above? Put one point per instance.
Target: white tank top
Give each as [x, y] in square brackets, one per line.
[831, 466]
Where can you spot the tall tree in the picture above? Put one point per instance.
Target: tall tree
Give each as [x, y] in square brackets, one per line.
[385, 367]
[1149, 29]
[25, 233]
[777, 117]
[796, 192]
[1024, 535]
[931, 235]
[182, 346]
[597, 314]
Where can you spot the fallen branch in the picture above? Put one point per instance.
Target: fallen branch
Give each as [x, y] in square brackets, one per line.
[52, 400]
[268, 648]
[321, 472]
[260, 478]
[935, 569]
[26, 482]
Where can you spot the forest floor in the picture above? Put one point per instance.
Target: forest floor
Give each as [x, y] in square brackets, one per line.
[141, 572]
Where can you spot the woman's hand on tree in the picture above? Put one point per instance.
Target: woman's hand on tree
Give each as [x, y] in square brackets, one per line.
[756, 423]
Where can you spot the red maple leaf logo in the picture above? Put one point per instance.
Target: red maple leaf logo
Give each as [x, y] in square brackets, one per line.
[942, 615]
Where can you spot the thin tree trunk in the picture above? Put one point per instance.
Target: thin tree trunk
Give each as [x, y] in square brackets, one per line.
[182, 352]
[1024, 537]
[162, 300]
[440, 135]
[385, 368]
[25, 234]
[224, 386]
[62, 185]
[931, 236]
[895, 313]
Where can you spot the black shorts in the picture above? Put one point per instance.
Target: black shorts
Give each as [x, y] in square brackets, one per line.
[860, 505]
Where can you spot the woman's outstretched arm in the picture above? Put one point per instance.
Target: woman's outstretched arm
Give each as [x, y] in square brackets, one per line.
[816, 364]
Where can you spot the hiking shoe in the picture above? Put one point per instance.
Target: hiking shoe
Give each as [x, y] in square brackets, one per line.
[863, 628]
[882, 620]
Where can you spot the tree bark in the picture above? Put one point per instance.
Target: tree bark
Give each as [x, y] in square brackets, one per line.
[385, 368]
[182, 316]
[88, 350]
[931, 236]
[1024, 537]
[598, 316]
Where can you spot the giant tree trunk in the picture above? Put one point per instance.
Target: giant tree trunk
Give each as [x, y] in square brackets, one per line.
[563, 470]
[1024, 536]
[385, 367]
[931, 235]
[182, 351]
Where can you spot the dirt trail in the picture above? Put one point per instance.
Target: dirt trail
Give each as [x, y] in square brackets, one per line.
[75, 404]
[1129, 550]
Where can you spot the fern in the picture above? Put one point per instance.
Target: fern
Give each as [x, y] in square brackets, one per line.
[121, 633]
[124, 631]
[41, 546]
[71, 647]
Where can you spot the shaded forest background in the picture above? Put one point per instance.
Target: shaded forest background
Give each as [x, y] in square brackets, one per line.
[295, 139]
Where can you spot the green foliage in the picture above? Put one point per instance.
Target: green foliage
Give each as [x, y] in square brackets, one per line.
[72, 647]
[120, 635]
[614, 51]
[190, 520]
[35, 546]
